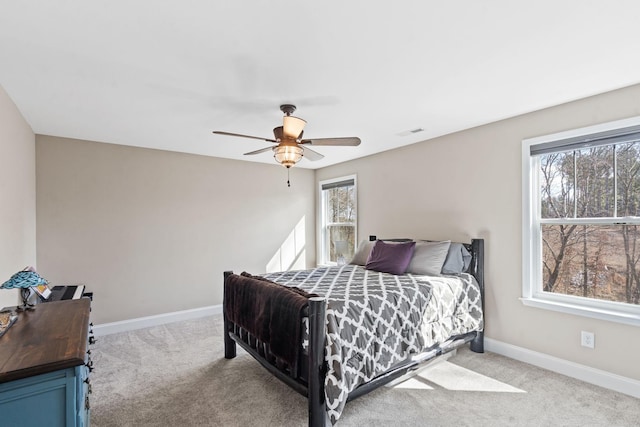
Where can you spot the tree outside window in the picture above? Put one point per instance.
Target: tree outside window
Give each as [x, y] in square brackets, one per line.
[338, 220]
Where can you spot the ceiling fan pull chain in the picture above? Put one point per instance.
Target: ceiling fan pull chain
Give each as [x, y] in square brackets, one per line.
[288, 183]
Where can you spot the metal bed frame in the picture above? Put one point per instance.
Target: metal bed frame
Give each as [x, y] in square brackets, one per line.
[308, 375]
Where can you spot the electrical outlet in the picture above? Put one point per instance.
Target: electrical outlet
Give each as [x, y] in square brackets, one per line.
[588, 339]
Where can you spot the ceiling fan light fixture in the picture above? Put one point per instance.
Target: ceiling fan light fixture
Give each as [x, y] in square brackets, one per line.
[287, 155]
[293, 126]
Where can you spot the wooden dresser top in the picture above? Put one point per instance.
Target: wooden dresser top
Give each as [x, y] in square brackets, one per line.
[53, 336]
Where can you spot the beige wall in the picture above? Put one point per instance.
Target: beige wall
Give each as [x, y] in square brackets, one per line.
[468, 185]
[152, 231]
[17, 195]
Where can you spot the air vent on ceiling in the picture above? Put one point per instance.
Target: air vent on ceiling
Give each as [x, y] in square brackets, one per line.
[411, 131]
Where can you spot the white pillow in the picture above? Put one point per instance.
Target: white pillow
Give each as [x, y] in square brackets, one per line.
[362, 254]
[428, 257]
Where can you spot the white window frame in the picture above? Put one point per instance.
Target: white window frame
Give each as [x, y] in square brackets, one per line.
[532, 293]
[323, 250]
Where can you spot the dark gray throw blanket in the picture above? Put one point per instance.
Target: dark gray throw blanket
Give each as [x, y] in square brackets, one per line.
[269, 311]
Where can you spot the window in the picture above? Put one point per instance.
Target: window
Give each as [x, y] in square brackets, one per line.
[581, 221]
[337, 220]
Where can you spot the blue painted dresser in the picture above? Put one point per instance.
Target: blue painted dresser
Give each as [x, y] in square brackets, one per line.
[45, 366]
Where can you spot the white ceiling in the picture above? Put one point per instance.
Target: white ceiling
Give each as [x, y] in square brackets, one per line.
[165, 74]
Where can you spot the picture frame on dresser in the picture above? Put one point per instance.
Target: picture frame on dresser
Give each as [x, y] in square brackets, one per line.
[43, 291]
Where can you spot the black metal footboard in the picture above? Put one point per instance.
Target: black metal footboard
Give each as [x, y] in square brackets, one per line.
[310, 383]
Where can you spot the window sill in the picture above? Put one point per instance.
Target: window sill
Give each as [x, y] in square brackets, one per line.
[581, 310]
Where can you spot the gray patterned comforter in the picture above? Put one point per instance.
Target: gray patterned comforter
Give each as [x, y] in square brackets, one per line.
[376, 320]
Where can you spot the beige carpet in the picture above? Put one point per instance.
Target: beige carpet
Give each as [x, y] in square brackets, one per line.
[176, 375]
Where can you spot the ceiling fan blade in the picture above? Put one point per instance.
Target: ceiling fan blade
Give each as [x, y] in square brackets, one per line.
[344, 142]
[311, 155]
[277, 132]
[217, 132]
[262, 150]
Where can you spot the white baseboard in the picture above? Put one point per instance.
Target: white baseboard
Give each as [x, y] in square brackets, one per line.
[584, 373]
[158, 319]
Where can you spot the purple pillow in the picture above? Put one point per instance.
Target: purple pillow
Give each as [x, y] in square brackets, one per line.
[391, 258]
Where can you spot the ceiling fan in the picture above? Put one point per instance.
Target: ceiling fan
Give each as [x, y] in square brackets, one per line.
[290, 146]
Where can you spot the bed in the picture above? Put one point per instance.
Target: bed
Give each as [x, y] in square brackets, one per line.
[336, 333]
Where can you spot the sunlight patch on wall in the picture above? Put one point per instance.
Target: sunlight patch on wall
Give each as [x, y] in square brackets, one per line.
[291, 253]
[453, 377]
